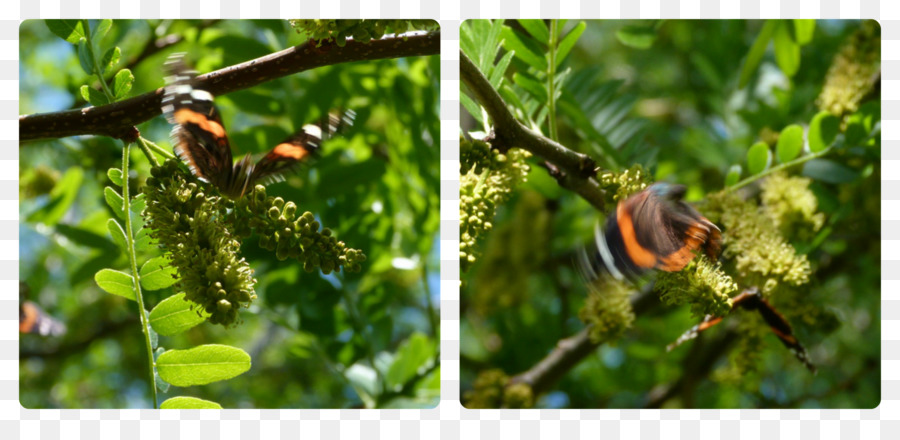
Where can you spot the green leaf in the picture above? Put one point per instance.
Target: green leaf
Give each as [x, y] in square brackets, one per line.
[69, 30]
[787, 52]
[532, 86]
[115, 176]
[116, 283]
[202, 365]
[117, 234]
[85, 57]
[101, 30]
[755, 55]
[537, 29]
[62, 196]
[568, 42]
[470, 106]
[85, 237]
[154, 337]
[184, 402]
[110, 59]
[524, 51]
[364, 381]
[802, 31]
[158, 273]
[829, 171]
[500, 69]
[790, 143]
[733, 176]
[863, 123]
[122, 83]
[823, 129]
[142, 240]
[637, 36]
[115, 201]
[174, 315]
[758, 158]
[93, 96]
[414, 357]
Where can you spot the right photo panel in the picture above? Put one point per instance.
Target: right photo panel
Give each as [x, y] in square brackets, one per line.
[670, 214]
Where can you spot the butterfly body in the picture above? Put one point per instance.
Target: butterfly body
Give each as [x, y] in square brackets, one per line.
[201, 140]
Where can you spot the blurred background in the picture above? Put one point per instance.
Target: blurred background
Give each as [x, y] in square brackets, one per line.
[313, 339]
[686, 100]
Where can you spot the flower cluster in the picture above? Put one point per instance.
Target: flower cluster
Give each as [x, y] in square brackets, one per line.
[619, 186]
[361, 30]
[702, 284]
[853, 72]
[189, 225]
[607, 309]
[492, 390]
[280, 229]
[487, 178]
[762, 256]
[201, 232]
[791, 205]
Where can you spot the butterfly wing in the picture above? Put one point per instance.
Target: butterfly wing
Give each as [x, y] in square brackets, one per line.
[670, 231]
[299, 147]
[199, 135]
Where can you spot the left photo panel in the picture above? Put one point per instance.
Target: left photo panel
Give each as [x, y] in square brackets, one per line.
[229, 214]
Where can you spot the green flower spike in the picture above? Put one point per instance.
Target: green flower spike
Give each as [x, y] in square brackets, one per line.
[487, 178]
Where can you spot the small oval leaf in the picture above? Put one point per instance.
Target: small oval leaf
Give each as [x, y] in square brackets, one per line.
[823, 129]
[758, 158]
[733, 176]
[637, 36]
[69, 30]
[115, 176]
[787, 52]
[175, 314]
[183, 402]
[110, 58]
[122, 83]
[803, 30]
[117, 233]
[158, 274]
[84, 57]
[790, 143]
[202, 365]
[116, 283]
[115, 201]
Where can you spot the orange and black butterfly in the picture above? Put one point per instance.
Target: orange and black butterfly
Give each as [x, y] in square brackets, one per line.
[201, 141]
[751, 299]
[33, 319]
[653, 229]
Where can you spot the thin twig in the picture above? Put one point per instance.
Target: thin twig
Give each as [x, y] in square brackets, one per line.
[118, 119]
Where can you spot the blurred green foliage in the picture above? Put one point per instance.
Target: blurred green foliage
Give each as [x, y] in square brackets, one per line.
[686, 100]
[338, 340]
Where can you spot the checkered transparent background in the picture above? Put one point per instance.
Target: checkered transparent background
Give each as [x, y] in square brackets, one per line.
[450, 420]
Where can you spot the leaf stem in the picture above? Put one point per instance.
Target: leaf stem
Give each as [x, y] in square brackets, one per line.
[551, 79]
[777, 168]
[159, 150]
[147, 152]
[90, 48]
[136, 278]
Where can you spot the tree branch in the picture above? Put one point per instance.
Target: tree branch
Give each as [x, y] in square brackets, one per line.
[118, 119]
[574, 171]
[570, 351]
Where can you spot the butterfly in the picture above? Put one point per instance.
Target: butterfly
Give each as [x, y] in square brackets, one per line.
[201, 141]
[653, 229]
[750, 299]
[33, 319]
